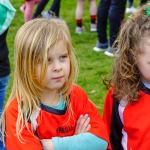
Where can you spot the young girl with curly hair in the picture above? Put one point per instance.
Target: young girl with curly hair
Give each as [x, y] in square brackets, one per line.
[126, 109]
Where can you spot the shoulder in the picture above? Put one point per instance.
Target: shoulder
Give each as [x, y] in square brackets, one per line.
[110, 91]
[12, 103]
[77, 90]
[109, 98]
[78, 94]
[109, 95]
[80, 101]
[12, 107]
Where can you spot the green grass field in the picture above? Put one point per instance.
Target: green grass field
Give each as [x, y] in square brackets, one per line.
[93, 65]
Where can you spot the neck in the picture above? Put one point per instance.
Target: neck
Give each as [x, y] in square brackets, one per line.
[50, 97]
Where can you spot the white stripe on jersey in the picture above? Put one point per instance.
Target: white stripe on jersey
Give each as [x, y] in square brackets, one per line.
[121, 108]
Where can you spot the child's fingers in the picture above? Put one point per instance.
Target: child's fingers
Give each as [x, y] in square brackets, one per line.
[81, 121]
[82, 124]
[79, 124]
[85, 124]
[88, 128]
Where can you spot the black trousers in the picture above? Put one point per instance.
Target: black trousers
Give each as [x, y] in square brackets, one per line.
[109, 16]
[55, 7]
[4, 59]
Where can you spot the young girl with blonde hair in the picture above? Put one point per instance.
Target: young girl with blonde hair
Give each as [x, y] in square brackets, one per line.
[126, 109]
[46, 110]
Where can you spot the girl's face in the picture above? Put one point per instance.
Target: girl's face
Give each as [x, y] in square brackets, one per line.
[58, 69]
[144, 61]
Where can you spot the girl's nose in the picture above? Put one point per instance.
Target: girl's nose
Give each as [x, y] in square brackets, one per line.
[57, 66]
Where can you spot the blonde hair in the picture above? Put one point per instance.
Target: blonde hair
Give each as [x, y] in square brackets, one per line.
[126, 75]
[32, 43]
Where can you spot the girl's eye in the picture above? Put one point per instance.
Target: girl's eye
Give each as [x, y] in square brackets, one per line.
[49, 60]
[62, 58]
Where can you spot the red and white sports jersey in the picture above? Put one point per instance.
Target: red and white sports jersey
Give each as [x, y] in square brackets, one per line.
[51, 122]
[128, 125]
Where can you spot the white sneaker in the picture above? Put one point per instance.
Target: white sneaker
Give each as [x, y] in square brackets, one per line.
[98, 47]
[93, 27]
[110, 51]
[110, 54]
[130, 10]
[22, 8]
[47, 15]
[79, 30]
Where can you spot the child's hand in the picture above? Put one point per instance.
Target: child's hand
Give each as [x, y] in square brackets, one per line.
[82, 125]
[47, 144]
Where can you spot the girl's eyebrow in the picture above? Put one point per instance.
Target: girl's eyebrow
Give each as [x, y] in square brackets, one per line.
[65, 53]
[62, 53]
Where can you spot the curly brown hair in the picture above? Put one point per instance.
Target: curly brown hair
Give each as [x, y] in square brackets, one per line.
[126, 75]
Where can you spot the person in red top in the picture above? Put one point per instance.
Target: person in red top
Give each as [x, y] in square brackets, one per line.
[46, 110]
[126, 108]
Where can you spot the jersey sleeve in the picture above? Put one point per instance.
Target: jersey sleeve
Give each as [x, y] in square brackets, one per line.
[12, 142]
[82, 105]
[87, 141]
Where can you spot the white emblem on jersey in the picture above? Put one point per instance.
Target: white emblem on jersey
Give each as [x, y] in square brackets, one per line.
[33, 118]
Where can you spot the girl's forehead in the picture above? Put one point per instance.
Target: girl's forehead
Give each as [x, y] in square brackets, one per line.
[58, 48]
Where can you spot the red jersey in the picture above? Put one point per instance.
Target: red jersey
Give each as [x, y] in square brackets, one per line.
[51, 122]
[128, 124]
